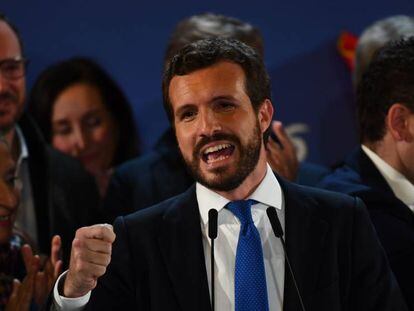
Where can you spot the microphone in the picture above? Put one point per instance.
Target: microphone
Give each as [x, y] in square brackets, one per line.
[212, 234]
[212, 223]
[278, 231]
[274, 221]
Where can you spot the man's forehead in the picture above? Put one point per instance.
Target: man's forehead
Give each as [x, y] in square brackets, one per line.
[9, 43]
[216, 70]
[220, 76]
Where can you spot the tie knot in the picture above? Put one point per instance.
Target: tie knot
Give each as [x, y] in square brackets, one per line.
[242, 210]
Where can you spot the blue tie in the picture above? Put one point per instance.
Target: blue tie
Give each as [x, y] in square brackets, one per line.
[249, 278]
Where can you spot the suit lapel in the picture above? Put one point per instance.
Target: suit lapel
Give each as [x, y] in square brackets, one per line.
[371, 177]
[181, 245]
[305, 238]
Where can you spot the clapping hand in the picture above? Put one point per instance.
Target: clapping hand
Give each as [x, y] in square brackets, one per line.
[45, 279]
[37, 283]
[22, 294]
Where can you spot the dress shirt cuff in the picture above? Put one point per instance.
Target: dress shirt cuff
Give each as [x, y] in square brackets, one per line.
[65, 303]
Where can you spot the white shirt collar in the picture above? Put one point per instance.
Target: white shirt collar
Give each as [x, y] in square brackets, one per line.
[268, 192]
[24, 151]
[400, 185]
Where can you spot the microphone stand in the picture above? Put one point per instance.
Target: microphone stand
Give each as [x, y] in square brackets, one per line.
[212, 233]
[278, 231]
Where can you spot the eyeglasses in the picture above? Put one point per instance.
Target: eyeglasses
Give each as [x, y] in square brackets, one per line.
[13, 68]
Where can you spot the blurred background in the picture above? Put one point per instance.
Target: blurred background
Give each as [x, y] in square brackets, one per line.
[307, 45]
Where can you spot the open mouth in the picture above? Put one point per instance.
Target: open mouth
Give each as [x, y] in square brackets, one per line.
[6, 213]
[6, 103]
[5, 220]
[4, 111]
[217, 153]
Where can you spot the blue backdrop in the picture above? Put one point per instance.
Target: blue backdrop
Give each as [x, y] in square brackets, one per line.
[312, 90]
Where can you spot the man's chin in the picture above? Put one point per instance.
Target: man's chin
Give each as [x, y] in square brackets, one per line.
[6, 126]
[8, 120]
[220, 180]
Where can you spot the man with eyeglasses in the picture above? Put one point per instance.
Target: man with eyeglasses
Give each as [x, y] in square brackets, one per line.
[13, 68]
[57, 194]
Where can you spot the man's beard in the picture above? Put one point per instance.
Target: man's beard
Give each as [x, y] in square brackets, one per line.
[8, 99]
[248, 159]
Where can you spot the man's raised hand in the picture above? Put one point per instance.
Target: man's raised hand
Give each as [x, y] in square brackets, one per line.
[90, 255]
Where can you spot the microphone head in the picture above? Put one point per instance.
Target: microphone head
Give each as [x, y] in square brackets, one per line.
[274, 221]
[212, 223]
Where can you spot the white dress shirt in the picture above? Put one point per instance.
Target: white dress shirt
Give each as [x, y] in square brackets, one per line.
[65, 303]
[401, 186]
[268, 193]
[26, 216]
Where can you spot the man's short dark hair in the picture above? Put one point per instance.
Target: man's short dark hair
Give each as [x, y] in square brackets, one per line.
[210, 25]
[388, 80]
[205, 53]
[3, 18]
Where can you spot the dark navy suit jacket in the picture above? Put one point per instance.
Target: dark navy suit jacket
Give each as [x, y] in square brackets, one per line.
[161, 174]
[393, 220]
[158, 261]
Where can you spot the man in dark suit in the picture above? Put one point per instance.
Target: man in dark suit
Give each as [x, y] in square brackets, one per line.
[161, 173]
[217, 95]
[57, 195]
[381, 170]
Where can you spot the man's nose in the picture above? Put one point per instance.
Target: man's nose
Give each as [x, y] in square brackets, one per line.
[209, 123]
[3, 82]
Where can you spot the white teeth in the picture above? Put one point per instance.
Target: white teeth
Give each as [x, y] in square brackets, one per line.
[209, 161]
[216, 148]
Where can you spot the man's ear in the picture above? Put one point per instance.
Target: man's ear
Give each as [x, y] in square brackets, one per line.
[398, 122]
[265, 115]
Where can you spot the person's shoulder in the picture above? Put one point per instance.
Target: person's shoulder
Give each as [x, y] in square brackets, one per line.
[325, 204]
[351, 175]
[140, 164]
[310, 173]
[333, 208]
[70, 180]
[64, 166]
[344, 179]
[171, 207]
[159, 173]
[317, 194]
[164, 156]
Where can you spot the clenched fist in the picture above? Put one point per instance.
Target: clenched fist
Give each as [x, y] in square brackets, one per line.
[90, 255]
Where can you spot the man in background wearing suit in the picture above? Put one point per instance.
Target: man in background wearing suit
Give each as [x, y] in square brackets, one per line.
[217, 95]
[161, 173]
[57, 195]
[381, 170]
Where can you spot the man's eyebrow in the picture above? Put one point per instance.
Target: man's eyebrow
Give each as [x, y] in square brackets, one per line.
[60, 121]
[214, 99]
[13, 59]
[183, 108]
[223, 97]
